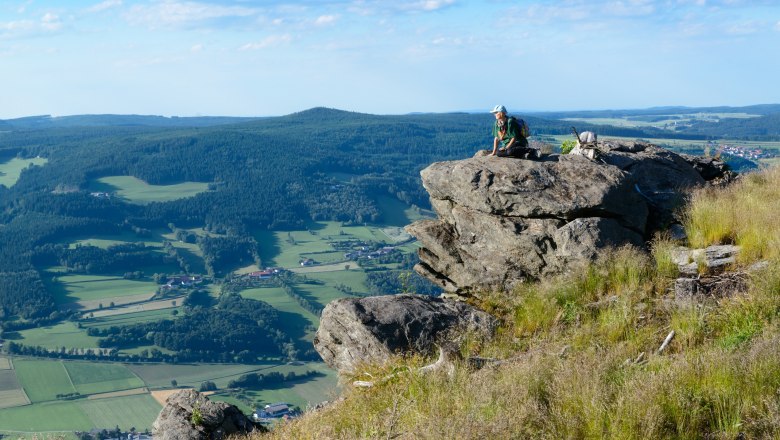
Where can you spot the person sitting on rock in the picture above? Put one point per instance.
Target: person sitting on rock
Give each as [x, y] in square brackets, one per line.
[508, 139]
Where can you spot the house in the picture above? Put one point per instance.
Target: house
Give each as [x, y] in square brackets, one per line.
[307, 262]
[262, 274]
[184, 281]
[273, 410]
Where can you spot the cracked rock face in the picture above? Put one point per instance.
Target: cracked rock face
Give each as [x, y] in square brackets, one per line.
[502, 220]
[372, 329]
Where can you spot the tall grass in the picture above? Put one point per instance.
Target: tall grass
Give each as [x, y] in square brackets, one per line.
[746, 214]
[581, 351]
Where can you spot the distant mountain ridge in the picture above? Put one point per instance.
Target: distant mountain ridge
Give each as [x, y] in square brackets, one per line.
[107, 120]
[758, 109]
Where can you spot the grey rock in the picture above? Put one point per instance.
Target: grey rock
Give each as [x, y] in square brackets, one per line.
[709, 261]
[353, 331]
[716, 286]
[709, 168]
[211, 420]
[502, 221]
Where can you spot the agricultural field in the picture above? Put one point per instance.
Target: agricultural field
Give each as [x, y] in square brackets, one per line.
[159, 376]
[126, 237]
[93, 378]
[293, 317]
[139, 192]
[42, 380]
[63, 334]
[88, 292]
[11, 392]
[138, 411]
[62, 416]
[302, 393]
[126, 319]
[662, 121]
[12, 169]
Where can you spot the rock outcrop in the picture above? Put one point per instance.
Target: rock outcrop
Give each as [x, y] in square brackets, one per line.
[190, 415]
[502, 221]
[372, 329]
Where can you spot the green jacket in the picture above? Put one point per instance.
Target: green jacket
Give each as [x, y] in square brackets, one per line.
[512, 131]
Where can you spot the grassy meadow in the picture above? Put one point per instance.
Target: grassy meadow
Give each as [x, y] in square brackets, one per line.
[88, 291]
[137, 191]
[12, 169]
[63, 334]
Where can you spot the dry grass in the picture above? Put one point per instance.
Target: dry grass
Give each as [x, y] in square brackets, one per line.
[746, 213]
[584, 350]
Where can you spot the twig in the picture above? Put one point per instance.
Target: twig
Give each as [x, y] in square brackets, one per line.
[666, 341]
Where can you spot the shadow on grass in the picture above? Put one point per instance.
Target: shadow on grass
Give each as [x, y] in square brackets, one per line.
[269, 247]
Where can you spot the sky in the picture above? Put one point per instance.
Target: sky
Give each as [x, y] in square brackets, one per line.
[266, 58]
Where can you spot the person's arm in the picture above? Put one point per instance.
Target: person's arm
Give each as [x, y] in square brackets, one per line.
[495, 146]
[511, 132]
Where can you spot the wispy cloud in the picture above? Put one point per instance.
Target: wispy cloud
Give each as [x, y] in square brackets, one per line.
[51, 22]
[743, 28]
[580, 10]
[326, 20]
[105, 5]
[169, 13]
[426, 5]
[48, 23]
[270, 41]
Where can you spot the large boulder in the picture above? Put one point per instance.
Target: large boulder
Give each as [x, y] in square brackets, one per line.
[190, 415]
[353, 331]
[502, 221]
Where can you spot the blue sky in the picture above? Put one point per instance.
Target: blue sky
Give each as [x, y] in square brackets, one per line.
[259, 58]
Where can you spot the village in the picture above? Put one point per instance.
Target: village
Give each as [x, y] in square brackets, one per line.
[751, 153]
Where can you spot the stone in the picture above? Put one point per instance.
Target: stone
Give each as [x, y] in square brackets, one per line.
[708, 261]
[190, 415]
[504, 221]
[717, 286]
[371, 330]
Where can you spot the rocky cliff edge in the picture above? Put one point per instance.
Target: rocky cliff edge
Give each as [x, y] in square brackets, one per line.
[502, 221]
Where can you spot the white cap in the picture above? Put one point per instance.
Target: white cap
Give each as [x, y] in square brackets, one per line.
[498, 109]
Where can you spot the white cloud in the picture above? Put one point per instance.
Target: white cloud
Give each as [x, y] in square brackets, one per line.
[177, 13]
[427, 5]
[578, 10]
[50, 22]
[744, 28]
[196, 48]
[777, 26]
[47, 24]
[326, 19]
[270, 41]
[107, 4]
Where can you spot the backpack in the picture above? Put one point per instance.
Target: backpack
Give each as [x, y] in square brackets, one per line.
[522, 127]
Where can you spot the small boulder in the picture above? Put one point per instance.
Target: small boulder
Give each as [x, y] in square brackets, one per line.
[711, 260]
[353, 331]
[189, 415]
